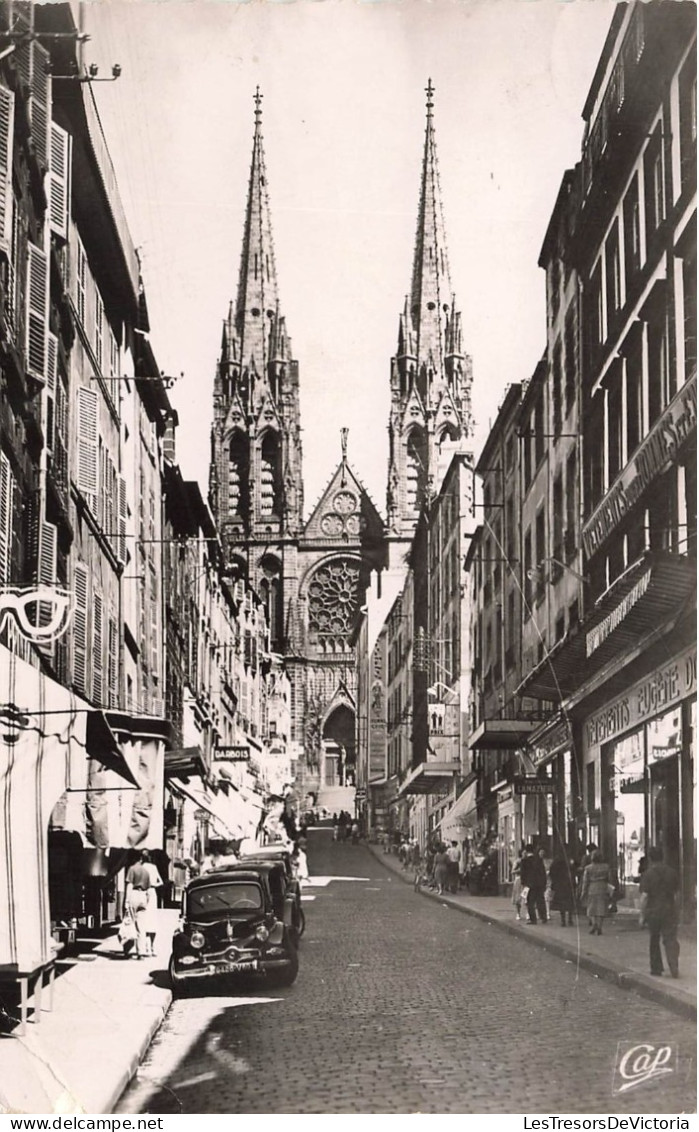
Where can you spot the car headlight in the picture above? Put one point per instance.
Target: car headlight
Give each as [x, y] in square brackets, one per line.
[261, 933]
[197, 940]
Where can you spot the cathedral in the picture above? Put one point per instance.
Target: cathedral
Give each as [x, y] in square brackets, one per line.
[312, 571]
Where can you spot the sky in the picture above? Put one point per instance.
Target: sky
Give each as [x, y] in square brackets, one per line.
[343, 84]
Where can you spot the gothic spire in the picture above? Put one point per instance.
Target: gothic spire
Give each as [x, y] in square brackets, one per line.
[431, 292]
[257, 283]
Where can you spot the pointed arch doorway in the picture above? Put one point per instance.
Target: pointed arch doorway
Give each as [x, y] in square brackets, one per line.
[339, 763]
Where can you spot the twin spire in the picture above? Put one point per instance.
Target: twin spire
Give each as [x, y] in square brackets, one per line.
[257, 300]
[426, 321]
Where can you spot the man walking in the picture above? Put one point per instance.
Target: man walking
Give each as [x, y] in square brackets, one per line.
[659, 887]
[454, 855]
[533, 873]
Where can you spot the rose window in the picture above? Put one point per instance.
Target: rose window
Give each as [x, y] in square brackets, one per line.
[332, 600]
[345, 502]
[331, 525]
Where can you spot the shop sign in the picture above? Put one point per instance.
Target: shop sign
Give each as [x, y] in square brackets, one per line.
[661, 690]
[550, 743]
[535, 786]
[232, 754]
[41, 613]
[650, 460]
[613, 620]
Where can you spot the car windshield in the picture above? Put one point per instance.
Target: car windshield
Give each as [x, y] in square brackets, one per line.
[214, 900]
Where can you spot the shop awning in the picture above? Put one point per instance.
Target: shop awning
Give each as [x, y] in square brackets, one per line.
[183, 762]
[215, 805]
[106, 814]
[428, 777]
[50, 742]
[502, 734]
[462, 815]
[649, 594]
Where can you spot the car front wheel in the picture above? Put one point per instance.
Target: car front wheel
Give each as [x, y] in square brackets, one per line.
[288, 975]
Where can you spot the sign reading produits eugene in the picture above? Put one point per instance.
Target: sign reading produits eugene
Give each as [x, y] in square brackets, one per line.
[232, 754]
[658, 692]
[649, 461]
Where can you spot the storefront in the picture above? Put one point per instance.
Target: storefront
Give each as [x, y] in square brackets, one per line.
[51, 743]
[639, 775]
[560, 822]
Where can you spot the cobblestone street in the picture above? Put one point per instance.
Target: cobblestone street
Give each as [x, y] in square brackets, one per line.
[403, 1006]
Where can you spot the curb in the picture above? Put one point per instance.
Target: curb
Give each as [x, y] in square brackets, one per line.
[626, 980]
[127, 1076]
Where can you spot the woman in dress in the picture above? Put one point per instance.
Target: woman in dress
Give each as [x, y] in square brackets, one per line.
[150, 917]
[595, 891]
[517, 885]
[441, 869]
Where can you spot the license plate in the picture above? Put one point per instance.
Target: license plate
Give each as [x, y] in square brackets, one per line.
[231, 968]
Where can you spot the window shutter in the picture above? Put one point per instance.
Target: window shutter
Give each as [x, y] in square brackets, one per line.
[37, 311]
[7, 121]
[80, 282]
[110, 491]
[11, 298]
[59, 181]
[123, 515]
[40, 103]
[7, 481]
[60, 438]
[80, 586]
[50, 392]
[99, 327]
[113, 663]
[23, 20]
[97, 649]
[87, 446]
[46, 573]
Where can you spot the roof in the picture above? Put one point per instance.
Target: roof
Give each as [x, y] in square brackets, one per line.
[344, 479]
[228, 872]
[509, 401]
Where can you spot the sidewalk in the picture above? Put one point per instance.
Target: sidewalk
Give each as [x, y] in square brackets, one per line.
[82, 1054]
[620, 955]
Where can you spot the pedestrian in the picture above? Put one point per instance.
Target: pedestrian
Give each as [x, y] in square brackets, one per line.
[136, 903]
[533, 874]
[429, 863]
[517, 885]
[441, 868]
[563, 877]
[659, 889]
[300, 861]
[454, 855]
[150, 919]
[355, 832]
[596, 890]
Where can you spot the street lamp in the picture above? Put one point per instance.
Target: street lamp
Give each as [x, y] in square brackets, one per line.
[433, 690]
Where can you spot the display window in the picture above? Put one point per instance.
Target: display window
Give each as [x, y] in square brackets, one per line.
[643, 780]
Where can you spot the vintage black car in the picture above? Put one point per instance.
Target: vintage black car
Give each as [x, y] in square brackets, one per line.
[274, 855]
[236, 921]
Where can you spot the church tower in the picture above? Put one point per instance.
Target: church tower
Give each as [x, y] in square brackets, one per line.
[430, 415]
[255, 479]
